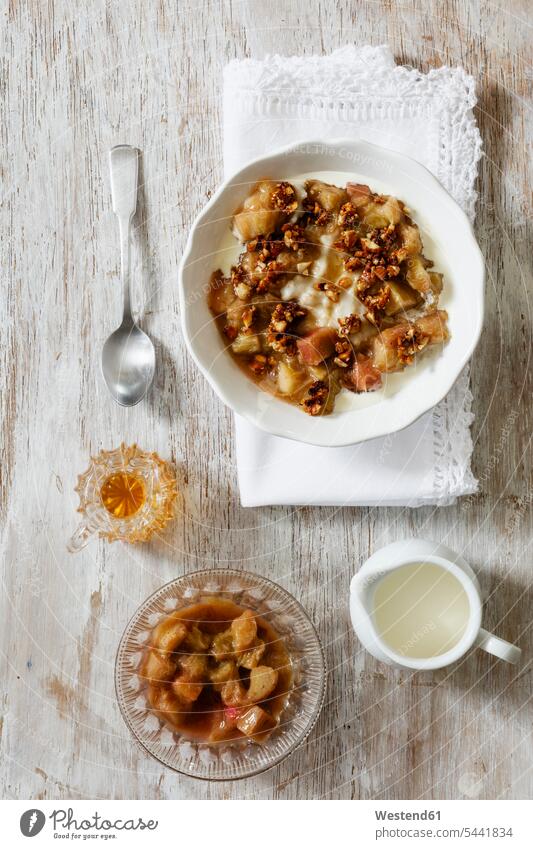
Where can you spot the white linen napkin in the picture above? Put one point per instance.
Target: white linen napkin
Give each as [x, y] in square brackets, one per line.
[359, 91]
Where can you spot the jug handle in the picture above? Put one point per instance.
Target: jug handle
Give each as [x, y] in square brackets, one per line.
[495, 645]
[80, 538]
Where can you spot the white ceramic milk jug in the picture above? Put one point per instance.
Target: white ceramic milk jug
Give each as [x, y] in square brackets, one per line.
[416, 604]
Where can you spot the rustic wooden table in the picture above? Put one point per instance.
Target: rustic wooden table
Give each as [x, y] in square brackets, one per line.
[78, 78]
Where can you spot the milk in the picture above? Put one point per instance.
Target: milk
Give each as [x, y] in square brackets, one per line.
[420, 610]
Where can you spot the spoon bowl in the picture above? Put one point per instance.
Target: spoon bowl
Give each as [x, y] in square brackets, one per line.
[128, 364]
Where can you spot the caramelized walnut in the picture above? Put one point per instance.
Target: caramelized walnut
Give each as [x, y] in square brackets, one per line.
[315, 213]
[343, 353]
[316, 398]
[349, 324]
[282, 318]
[272, 272]
[347, 241]
[284, 343]
[331, 290]
[376, 303]
[284, 198]
[293, 236]
[376, 255]
[265, 248]
[348, 216]
[285, 314]
[241, 282]
[260, 364]
[410, 343]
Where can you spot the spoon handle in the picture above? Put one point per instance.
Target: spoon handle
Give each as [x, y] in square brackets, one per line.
[124, 170]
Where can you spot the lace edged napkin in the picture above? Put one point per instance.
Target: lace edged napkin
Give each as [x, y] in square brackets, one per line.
[359, 92]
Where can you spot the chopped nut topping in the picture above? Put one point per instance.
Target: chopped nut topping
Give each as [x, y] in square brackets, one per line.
[266, 248]
[270, 274]
[347, 241]
[303, 267]
[380, 272]
[273, 271]
[379, 300]
[377, 257]
[241, 282]
[283, 316]
[383, 235]
[353, 263]
[293, 235]
[349, 324]
[256, 273]
[344, 353]
[370, 247]
[283, 343]
[362, 286]
[348, 216]
[316, 398]
[331, 290]
[284, 198]
[345, 282]
[260, 363]
[410, 343]
[376, 303]
[316, 213]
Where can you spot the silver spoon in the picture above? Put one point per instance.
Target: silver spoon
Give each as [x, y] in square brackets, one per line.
[128, 355]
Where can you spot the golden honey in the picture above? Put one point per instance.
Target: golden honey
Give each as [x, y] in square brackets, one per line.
[123, 494]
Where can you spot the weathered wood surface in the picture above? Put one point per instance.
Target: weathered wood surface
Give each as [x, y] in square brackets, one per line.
[77, 79]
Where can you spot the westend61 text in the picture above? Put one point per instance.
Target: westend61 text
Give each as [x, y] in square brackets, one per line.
[407, 815]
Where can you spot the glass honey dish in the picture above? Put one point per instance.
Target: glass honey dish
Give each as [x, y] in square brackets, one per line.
[125, 494]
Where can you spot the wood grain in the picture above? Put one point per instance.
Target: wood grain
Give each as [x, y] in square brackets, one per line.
[77, 79]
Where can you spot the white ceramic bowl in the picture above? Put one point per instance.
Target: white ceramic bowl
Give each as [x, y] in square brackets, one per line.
[448, 240]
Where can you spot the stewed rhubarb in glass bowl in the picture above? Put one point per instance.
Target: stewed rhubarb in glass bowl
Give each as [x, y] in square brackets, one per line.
[220, 674]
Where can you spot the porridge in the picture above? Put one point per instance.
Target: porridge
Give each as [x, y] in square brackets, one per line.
[331, 291]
